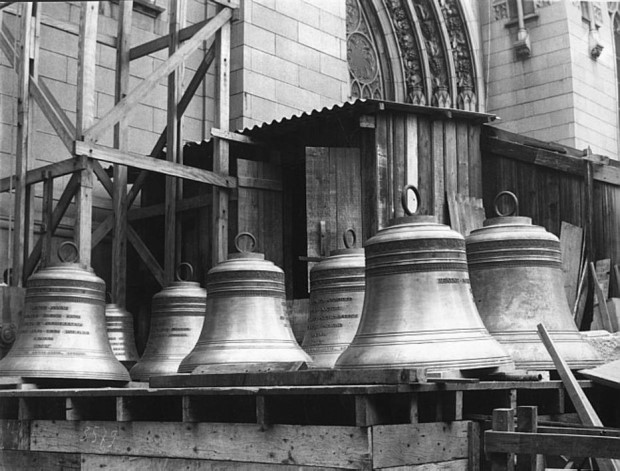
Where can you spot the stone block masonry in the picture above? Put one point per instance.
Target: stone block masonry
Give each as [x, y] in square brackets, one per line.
[560, 93]
[293, 58]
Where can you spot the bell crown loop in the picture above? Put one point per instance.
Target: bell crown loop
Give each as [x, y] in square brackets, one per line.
[350, 248]
[64, 258]
[249, 253]
[515, 204]
[411, 216]
[190, 271]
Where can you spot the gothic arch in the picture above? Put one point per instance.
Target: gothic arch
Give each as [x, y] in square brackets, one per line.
[421, 51]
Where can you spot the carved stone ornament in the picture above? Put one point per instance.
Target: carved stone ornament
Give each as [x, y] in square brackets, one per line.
[500, 9]
[362, 57]
[596, 48]
[459, 45]
[434, 48]
[409, 51]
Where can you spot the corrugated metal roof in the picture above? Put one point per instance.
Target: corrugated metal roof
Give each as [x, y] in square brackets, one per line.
[351, 109]
[357, 108]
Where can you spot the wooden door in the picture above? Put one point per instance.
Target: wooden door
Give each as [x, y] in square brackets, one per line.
[333, 197]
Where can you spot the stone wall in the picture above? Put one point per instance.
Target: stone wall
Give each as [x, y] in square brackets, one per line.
[560, 93]
[288, 57]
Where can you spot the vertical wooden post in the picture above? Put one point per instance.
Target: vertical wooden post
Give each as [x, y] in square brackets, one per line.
[220, 146]
[21, 152]
[85, 118]
[35, 33]
[503, 420]
[172, 147]
[121, 136]
[527, 421]
[47, 210]
[589, 231]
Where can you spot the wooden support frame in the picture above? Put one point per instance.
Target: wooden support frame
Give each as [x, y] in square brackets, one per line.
[121, 142]
[21, 153]
[130, 159]
[173, 139]
[80, 138]
[220, 146]
[128, 104]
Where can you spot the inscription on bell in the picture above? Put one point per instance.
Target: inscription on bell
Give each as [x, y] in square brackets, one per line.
[456, 281]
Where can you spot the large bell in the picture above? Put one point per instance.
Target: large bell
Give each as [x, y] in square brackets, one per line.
[246, 328]
[418, 308]
[517, 281]
[62, 334]
[119, 324]
[178, 313]
[336, 300]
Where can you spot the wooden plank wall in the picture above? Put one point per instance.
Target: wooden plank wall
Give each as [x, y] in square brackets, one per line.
[550, 196]
[439, 156]
[333, 185]
[260, 211]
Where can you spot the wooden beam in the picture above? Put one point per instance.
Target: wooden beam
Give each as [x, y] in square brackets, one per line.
[220, 146]
[6, 44]
[602, 300]
[603, 170]
[39, 174]
[552, 444]
[21, 154]
[103, 177]
[173, 144]
[86, 108]
[161, 43]
[235, 137]
[259, 183]
[84, 214]
[183, 104]
[584, 408]
[145, 254]
[102, 230]
[131, 159]
[47, 209]
[154, 210]
[121, 142]
[35, 37]
[54, 114]
[59, 212]
[128, 105]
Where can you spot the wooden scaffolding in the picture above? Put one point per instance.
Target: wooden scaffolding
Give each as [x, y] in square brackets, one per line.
[82, 139]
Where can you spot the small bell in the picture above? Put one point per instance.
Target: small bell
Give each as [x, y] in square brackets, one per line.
[246, 328]
[178, 313]
[336, 299]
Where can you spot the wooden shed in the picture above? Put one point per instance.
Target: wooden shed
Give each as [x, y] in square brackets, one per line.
[304, 180]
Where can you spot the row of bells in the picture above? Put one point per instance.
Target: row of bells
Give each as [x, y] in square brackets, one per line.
[418, 295]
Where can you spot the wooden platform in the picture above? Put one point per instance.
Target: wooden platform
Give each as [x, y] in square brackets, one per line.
[356, 405]
[400, 425]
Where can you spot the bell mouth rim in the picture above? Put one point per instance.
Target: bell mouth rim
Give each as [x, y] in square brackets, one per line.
[413, 219]
[508, 221]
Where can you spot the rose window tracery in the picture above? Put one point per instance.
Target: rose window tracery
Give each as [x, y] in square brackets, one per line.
[435, 59]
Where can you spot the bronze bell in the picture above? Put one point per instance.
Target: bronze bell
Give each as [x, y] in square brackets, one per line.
[517, 281]
[336, 300]
[119, 324]
[246, 328]
[62, 334]
[418, 308]
[178, 313]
